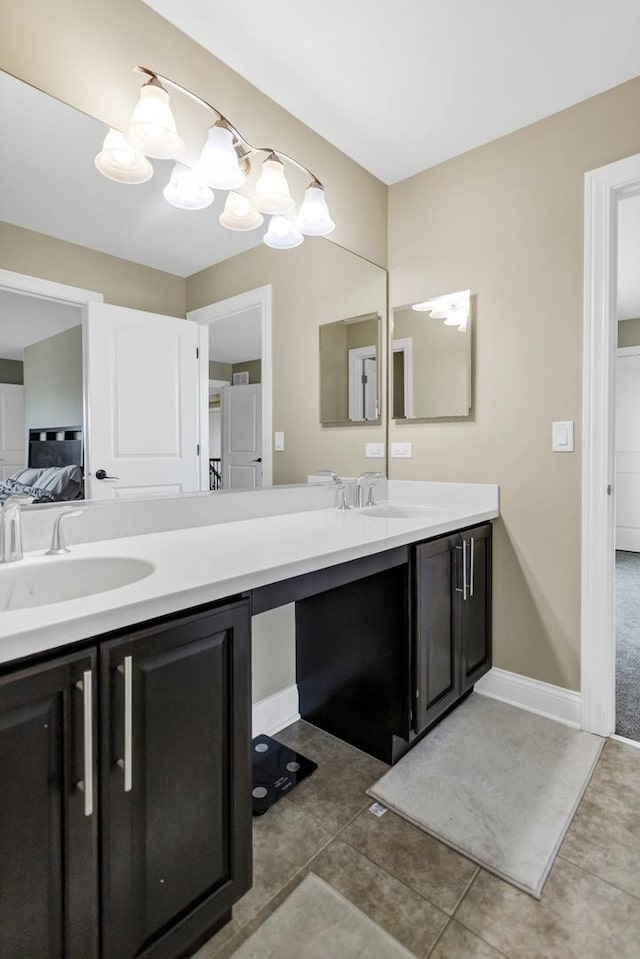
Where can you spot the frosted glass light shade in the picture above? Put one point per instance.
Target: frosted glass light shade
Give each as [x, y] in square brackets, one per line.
[184, 191]
[272, 190]
[120, 162]
[153, 128]
[282, 234]
[218, 165]
[239, 213]
[313, 216]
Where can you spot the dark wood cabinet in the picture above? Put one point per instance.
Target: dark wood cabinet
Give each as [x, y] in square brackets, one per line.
[437, 645]
[170, 721]
[475, 607]
[176, 782]
[453, 619]
[384, 651]
[48, 811]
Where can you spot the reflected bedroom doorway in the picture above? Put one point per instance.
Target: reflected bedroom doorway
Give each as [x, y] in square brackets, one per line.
[41, 397]
[236, 413]
[627, 483]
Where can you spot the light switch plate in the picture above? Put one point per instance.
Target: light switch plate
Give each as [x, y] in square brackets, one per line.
[374, 450]
[401, 451]
[562, 436]
[278, 441]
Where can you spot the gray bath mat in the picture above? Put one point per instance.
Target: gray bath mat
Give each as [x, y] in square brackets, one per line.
[315, 921]
[496, 783]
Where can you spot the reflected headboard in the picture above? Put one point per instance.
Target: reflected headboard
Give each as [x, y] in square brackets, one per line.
[56, 446]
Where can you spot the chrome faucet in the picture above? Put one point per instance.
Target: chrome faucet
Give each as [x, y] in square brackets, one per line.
[11, 535]
[58, 546]
[370, 478]
[343, 492]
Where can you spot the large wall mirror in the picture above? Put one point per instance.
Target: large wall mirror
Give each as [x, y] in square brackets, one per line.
[62, 222]
[431, 358]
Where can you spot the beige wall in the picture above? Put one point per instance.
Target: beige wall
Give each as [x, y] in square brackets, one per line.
[122, 282]
[506, 220]
[82, 52]
[314, 284]
[629, 332]
[53, 381]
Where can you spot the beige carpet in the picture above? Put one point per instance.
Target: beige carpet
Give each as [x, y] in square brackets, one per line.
[317, 922]
[498, 784]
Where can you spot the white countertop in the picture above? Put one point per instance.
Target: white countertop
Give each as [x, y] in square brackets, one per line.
[200, 565]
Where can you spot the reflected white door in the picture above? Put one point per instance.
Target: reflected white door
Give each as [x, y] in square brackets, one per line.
[142, 397]
[241, 417]
[12, 436]
[363, 384]
[628, 452]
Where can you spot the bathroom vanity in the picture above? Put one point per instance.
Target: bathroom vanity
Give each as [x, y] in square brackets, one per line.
[125, 813]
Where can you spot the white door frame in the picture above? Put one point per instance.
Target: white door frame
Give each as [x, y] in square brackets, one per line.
[604, 188]
[61, 293]
[260, 297]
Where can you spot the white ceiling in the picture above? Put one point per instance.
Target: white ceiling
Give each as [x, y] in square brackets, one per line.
[236, 338]
[629, 258]
[27, 319]
[403, 85]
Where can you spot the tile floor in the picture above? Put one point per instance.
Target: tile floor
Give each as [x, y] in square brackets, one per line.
[434, 901]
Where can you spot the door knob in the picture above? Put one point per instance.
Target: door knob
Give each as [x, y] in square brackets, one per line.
[102, 475]
[259, 460]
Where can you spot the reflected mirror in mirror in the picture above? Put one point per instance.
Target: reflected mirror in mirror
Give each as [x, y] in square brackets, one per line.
[350, 370]
[431, 358]
[63, 222]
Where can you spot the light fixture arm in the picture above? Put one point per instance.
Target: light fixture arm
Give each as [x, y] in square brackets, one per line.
[249, 149]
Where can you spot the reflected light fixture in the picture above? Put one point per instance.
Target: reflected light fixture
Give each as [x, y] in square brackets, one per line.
[282, 234]
[224, 162]
[185, 191]
[452, 308]
[120, 162]
[239, 213]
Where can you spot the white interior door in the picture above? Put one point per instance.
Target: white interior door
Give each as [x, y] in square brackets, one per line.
[628, 451]
[12, 434]
[241, 418]
[142, 400]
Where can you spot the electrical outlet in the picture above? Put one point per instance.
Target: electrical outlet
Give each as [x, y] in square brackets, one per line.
[401, 451]
[374, 450]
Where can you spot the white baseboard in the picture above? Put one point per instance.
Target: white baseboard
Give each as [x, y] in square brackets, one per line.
[554, 702]
[275, 712]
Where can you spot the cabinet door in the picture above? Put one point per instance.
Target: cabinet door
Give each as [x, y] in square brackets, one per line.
[475, 609]
[437, 629]
[48, 840]
[176, 781]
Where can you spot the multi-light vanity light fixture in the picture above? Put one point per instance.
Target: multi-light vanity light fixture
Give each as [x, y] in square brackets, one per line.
[224, 163]
[452, 308]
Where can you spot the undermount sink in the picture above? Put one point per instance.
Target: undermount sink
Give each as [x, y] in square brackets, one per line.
[392, 511]
[56, 580]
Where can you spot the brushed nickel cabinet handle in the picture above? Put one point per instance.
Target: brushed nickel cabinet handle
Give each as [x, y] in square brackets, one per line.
[463, 589]
[126, 764]
[85, 685]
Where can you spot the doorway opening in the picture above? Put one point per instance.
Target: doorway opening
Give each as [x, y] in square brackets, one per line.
[236, 391]
[611, 471]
